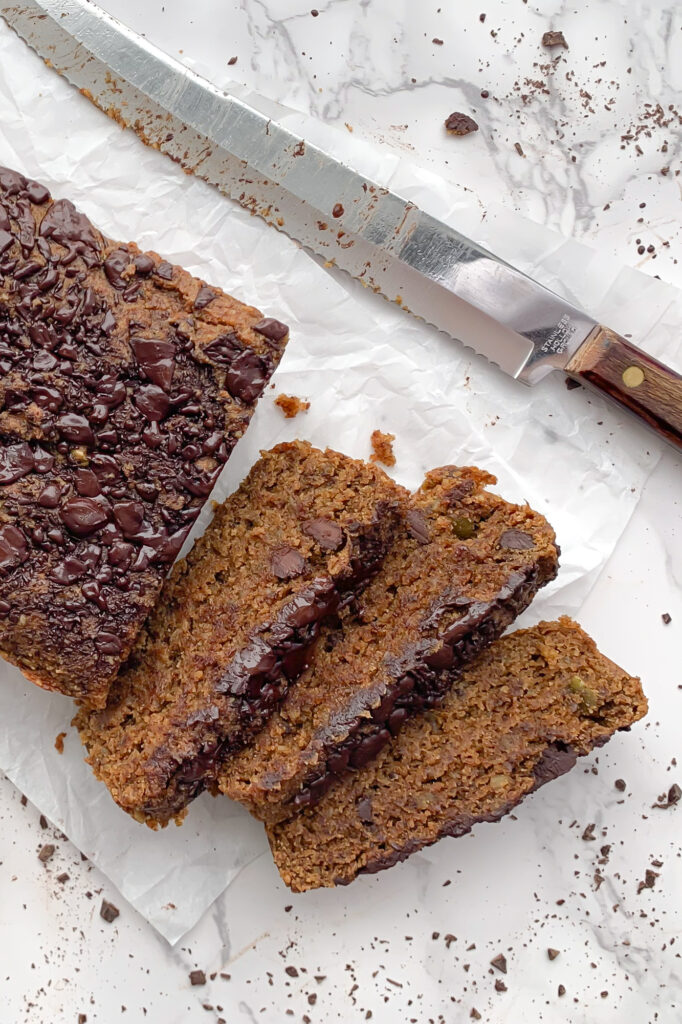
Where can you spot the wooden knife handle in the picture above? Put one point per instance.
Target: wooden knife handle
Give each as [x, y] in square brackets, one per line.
[633, 379]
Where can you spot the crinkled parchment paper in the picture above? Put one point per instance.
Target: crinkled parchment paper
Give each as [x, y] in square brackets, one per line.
[363, 364]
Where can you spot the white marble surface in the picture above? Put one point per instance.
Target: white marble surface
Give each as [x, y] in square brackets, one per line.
[355, 63]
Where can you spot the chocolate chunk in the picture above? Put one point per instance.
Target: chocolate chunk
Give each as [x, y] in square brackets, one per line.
[556, 760]
[129, 516]
[516, 540]
[13, 547]
[270, 328]
[368, 748]
[6, 239]
[156, 359]
[107, 643]
[87, 483]
[68, 571]
[37, 193]
[338, 210]
[108, 912]
[205, 295]
[50, 496]
[460, 124]
[620, 785]
[325, 532]
[74, 427]
[46, 852]
[83, 516]
[287, 562]
[164, 270]
[551, 39]
[16, 461]
[499, 962]
[364, 810]
[417, 526]
[247, 376]
[571, 384]
[224, 349]
[667, 618]
[114, 265]
[197, 978]
[67, 226]
[152, 402]
[674, 794]
[143, 264]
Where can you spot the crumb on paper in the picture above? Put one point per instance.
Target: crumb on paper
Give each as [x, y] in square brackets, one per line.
[232, 61]
[382, 448]
[667, 618]
[519, 149]
[59, 743]
[291, 405]
[551, 39]
[197, 977]
[460, 124]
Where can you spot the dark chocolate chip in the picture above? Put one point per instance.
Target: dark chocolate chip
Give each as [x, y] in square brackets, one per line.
[247, 376]
[328, 534]
[107, 643]
[164, 270]
[16, 461]
[50, 496]
[67, 226]
[74, 427]
[270, 328]
[83, 516]
[417, 526]
[368, 748]
[6, 239]
[499, 962]
[287, 562]
[556, 760]
[223, 349]
[143, 264]
[516, 540]
[68, 571]
[197, 978]
[129, 516]
[152, 402]
[13, 547]
[156, 359]
[114, 265]
[87, 483]
[364, 810]
[205, 295]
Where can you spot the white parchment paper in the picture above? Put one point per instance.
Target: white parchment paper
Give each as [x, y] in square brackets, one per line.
[362, 364]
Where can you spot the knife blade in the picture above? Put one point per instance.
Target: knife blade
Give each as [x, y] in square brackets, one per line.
[355, 224]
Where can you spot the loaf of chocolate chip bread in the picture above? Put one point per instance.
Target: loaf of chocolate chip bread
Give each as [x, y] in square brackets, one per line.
[124, 385]
[465, 564]
[235, 623]
[517, 718]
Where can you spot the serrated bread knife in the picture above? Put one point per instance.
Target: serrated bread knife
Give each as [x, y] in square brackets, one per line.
[368, 231]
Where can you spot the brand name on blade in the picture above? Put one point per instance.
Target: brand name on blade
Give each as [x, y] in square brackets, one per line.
[559, 338]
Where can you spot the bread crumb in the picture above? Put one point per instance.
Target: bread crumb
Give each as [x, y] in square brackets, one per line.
[291, 405]
[382, 448]
[59, 743]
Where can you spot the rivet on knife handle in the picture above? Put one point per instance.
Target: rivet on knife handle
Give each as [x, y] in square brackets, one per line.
[611, 364]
